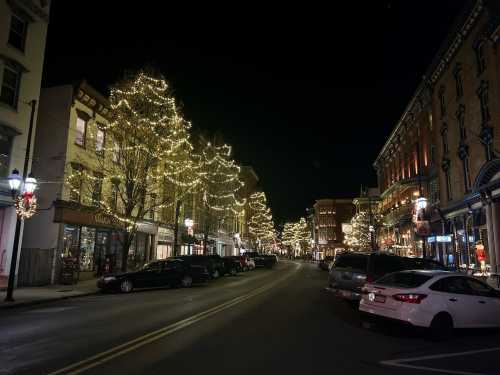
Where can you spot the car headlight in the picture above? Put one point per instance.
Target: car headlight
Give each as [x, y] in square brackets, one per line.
[107, 279]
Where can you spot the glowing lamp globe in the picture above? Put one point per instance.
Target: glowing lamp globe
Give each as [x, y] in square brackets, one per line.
[30, 184]
[14, 180]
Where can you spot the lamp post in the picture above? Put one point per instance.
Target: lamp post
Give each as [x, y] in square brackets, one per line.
[29, 187]
[189, 223]
[22, 191]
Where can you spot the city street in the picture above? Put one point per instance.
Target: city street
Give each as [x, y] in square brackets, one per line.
[266, 321]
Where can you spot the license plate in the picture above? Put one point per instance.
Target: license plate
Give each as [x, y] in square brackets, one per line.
[374, 297]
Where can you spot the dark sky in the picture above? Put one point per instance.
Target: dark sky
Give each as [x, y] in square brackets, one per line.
[305, 93]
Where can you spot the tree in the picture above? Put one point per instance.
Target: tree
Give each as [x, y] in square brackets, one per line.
[261, 225]
[359, 238]
[219, 183]
[144, 133]
[296, 236]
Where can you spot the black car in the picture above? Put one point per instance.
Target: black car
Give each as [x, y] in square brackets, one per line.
[232, 265]
[262, 260]
[324, 264]
[161, 273]
[213, 263]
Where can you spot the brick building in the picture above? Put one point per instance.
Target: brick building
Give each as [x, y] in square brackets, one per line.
[446, 148]
[329, 214]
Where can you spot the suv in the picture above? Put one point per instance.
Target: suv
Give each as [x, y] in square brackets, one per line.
[351, 271]
[262, 260]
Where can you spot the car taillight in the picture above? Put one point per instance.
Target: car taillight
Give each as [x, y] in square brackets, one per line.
[410, 297]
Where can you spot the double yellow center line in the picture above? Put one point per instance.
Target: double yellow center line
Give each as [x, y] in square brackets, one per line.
[108, 355]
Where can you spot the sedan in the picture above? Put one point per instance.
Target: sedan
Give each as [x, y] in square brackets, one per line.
[172, 272]
[438, 300]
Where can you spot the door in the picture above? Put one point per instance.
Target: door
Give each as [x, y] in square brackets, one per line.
[150, 276]
[488, 302]
[172, 273]
[464, 306]
[101, 250]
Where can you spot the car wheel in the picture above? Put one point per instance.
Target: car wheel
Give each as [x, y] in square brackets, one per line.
[187, 281]
[216, 274]
[233, 272]
[126, 286]
[441, 327]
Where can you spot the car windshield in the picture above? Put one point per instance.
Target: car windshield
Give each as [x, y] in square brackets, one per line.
[404, 279]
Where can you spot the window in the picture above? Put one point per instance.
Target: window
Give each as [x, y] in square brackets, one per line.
[99, 141]
[480, 57]
[478, 288]
[116, 152]
[459, 84]
[97, 189]
[482, 94]
[115, 186]
[384, 264]
[5, 151]
[404, 279]
[81, 130]
[352, 261]
[455, 285]
[442, 101]
[76, 182]
[17, 33]
[10, 85]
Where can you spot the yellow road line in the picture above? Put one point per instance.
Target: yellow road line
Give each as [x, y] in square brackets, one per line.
[103, 357]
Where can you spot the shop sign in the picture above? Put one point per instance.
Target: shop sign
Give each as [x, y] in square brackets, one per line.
[446, 238]
[145, 227]
[165, 235]
[431, 239]
[70, 215]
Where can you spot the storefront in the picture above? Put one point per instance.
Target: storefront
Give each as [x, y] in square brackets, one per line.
[91, 243]
[165, 243]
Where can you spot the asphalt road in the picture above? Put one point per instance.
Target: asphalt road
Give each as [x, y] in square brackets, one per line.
[262, 322]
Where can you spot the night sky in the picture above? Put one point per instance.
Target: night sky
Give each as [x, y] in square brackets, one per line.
[307, 94]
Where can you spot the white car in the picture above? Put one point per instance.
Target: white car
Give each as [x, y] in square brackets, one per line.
[439, 300]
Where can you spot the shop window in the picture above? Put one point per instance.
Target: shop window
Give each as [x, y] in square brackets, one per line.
[9, 93]
[71, 240]
[5, 152]
[81, 130]
[99, 141]
[87, 245]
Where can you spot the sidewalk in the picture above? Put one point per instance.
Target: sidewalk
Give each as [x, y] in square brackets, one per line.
[27, 296]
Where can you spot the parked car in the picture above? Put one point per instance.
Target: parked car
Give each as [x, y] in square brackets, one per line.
[213, 263]
[438, 300]
[262, 260]
[352, 270]
[170, 272]
[325, 263]
[231, 265]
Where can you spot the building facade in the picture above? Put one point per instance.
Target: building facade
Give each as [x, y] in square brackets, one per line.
[329, 214]
[23, 31]
[455, 112]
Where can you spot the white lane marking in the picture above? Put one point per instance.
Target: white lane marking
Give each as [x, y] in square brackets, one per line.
[50, 310]
[402, 362]
[103, 357]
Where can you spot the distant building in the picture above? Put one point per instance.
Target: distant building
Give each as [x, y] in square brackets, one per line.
[23, 31]
[329, 214]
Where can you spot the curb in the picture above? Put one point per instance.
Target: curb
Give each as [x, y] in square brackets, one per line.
[14, 305]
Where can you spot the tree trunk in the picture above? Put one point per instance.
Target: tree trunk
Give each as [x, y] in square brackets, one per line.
[176, 226]
[205, 240]
[127, 241]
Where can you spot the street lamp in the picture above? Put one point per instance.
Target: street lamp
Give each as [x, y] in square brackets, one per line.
[25, 204]
[189, 225]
